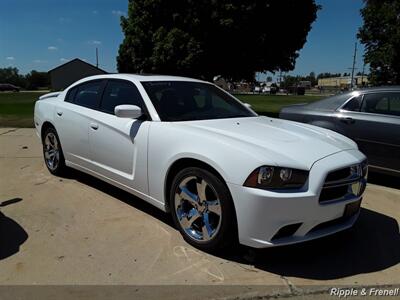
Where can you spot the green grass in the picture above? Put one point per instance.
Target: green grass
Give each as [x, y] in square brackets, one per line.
[16, 109]
[270, 105]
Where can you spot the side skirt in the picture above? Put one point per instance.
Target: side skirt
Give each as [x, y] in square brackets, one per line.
[128, 189]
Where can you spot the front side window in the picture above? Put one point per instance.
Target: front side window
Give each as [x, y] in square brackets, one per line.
[89, 94]
[187, 101]
[382, 103]
[120, 92]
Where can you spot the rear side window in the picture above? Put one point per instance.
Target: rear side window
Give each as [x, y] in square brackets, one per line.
[120, 92]
[89, 94]
[382, 103]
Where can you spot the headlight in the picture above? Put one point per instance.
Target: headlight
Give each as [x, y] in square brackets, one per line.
[267, 177]
[364, 169]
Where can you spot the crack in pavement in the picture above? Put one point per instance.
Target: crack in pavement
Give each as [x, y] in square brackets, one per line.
[11, 130]
[6, 157]
[292, 288]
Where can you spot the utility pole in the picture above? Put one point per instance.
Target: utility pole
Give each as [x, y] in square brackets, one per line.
[97, 57]
[354, 64]
[362, 74]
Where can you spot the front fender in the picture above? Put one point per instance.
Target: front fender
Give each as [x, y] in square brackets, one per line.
[169, 143]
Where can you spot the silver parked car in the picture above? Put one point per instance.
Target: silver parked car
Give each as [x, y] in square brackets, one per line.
[371, 117]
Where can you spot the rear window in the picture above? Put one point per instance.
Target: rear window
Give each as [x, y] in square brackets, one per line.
[330, 103]
[71, 94]
[354, 104]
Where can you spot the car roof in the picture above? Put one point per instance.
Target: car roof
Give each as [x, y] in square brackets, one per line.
[379, 89]
[141, 77]
[334, 102]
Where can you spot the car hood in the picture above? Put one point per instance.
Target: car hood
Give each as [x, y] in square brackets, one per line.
[286, 143]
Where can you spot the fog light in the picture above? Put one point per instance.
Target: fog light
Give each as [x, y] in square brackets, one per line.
[285, 174]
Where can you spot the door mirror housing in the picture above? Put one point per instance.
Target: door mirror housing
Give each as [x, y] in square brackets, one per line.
[128, 111]
[247, 105]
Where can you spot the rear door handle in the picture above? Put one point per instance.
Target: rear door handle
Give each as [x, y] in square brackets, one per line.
[347, 120]
[59, 113]
[94, 126]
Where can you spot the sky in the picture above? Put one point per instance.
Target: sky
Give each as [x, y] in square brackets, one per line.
[42, 34]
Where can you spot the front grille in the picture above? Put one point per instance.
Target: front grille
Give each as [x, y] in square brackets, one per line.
[331, 193]
[338, 175]
[348, 182]
[350, 211]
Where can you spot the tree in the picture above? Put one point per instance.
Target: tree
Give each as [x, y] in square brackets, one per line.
[205, 38]
[30, 81]
[328, 75]
[290, 81]
[11, 75]
[381, 36]
[311, 77]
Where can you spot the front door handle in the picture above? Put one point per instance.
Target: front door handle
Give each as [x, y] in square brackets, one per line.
[59, 113]
[347, 120]
[94, 126]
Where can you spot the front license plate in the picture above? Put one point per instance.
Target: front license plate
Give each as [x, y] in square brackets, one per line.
[351, 209]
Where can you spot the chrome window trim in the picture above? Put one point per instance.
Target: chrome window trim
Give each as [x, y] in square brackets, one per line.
[341, 110]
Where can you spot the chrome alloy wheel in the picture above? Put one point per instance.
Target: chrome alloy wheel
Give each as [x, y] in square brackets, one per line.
[51, 151]
[198, 208]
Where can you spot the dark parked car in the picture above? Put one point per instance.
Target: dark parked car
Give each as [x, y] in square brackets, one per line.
[371, 117]
[8, 87]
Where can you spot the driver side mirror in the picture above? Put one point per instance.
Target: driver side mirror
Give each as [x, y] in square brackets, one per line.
[128, 111]
[247, 105]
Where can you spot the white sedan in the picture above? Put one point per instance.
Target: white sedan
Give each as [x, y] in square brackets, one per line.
[191, 149]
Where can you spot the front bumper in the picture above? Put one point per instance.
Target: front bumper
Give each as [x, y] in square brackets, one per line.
[262, 214]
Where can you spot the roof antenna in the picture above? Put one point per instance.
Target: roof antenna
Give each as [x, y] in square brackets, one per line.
[97, 57]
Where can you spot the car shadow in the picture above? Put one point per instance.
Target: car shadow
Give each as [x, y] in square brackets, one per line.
[372, 244]
[382, 179]
[120, 195]
[12, 235]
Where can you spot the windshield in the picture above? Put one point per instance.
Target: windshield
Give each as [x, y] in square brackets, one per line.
[187, 101]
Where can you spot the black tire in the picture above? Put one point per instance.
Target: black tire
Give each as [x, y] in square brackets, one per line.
[58, 168]
[226, 235]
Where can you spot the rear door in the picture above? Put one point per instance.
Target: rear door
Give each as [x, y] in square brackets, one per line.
[72, 120]
[118, 146]
[375, 126]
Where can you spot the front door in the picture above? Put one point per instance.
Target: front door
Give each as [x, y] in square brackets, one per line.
[118, 146]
